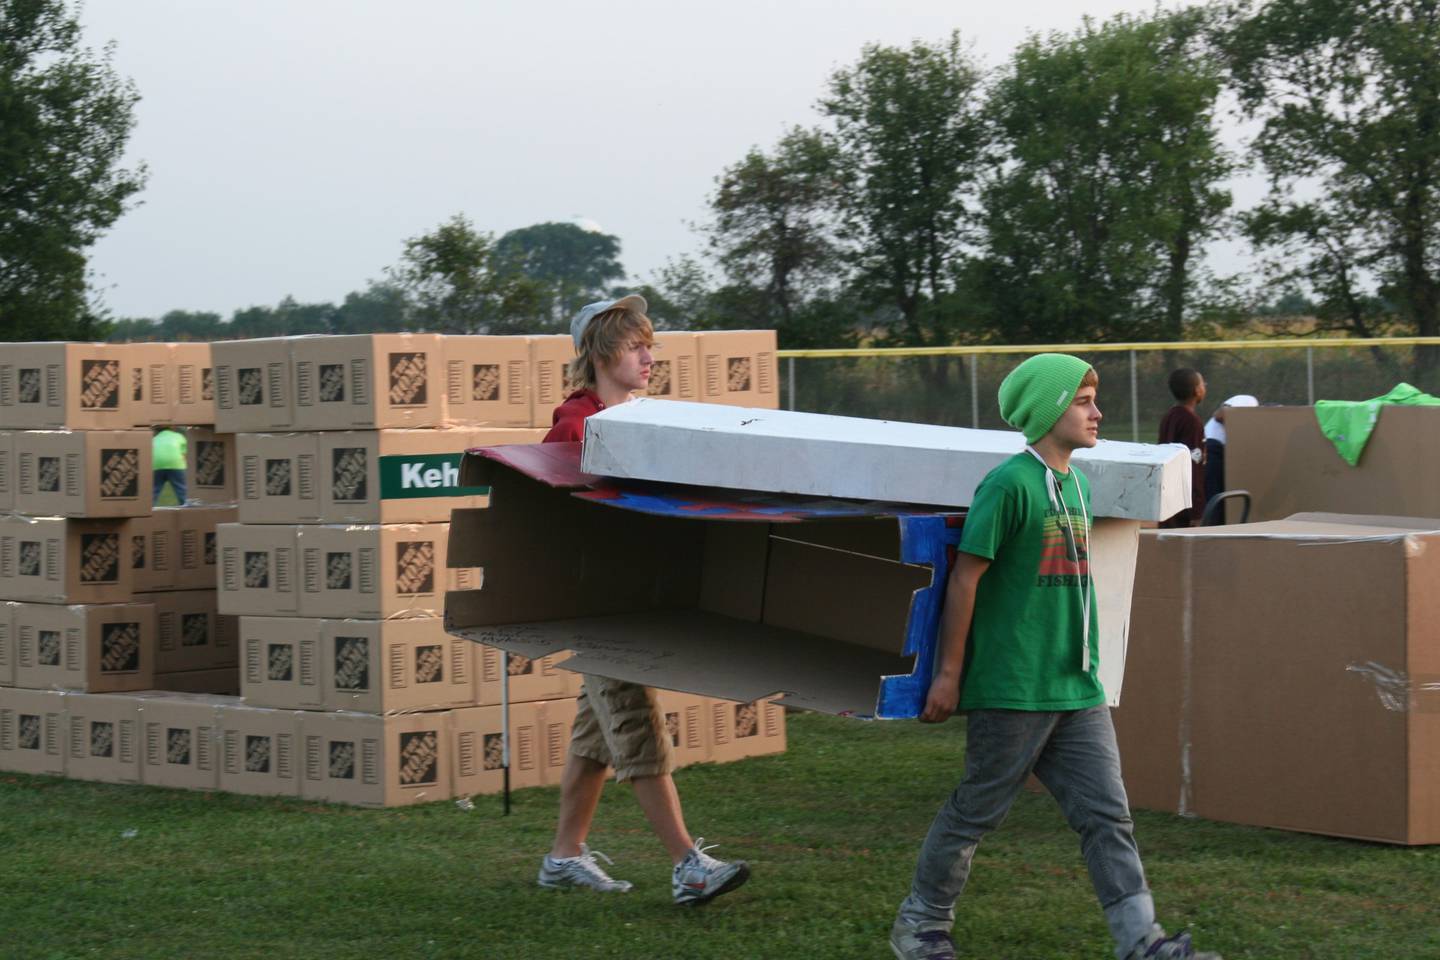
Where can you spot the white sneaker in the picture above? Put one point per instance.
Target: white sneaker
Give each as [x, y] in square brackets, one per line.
[581, 871]
[700, 877]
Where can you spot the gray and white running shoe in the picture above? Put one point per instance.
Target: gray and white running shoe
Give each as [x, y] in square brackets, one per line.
[581, 871]
[700, 877]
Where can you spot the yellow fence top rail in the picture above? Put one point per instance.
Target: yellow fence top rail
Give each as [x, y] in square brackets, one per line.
[1183, 346]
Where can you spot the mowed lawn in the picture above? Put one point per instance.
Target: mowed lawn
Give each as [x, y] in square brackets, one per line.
[830, 828]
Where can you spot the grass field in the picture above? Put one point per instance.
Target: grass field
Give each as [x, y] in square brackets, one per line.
[830, 828]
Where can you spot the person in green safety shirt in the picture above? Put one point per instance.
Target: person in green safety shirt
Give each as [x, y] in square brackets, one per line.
[168, 456]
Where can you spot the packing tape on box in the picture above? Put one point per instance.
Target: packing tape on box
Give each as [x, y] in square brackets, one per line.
[1397, 691]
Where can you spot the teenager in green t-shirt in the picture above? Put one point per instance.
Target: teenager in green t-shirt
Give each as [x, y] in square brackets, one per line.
[1019, 654]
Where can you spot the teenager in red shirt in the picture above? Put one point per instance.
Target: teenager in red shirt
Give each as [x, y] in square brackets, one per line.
[1182, 425]
[620, 724]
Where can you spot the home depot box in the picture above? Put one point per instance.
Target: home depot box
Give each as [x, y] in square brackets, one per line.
[196, 550]
[366, 380]
[1281, 674]
[7, 471]
[554, 719]
[7, 643]
[738, 367]
[1280, 456]
[376, 571]
[32, 731]
[374, 761]
[675, 372]
[98, 648]
[82, 473]
[253, 389]
[59, 560]
[550, 357]
[149, 379]
[210, 457]
[530, 678]
[402, 476]
[487, 381]
[478, 744]
[394, 666]
[278, 477]
[102, 739]
[180, 739]
[257, 569]
[221, 680]
[151, 550]
[687, 725]
[191, 634]
[745, 729]
[259, 750]
[282, 662]
[59, 385]
[193, 394]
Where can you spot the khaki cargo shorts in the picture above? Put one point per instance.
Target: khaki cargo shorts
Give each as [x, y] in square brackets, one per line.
[620, 725]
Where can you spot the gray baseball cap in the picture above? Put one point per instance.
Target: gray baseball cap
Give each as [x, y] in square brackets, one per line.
[590, 311]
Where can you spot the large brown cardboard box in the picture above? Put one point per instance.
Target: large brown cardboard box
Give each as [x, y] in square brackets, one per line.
[365, 381]
[7, 643]
[278, 477]
[403, 476]
[549, 368]
[738, 367]
[82, 473]
[487, 381]
[151, 551]
[258, 569]
[58, 560]
[282, 662]
[477, 736]
[376, 571]
[7, 471]
[102, 737]
[259, 751]
[1289, 466]
[32, 731]
[59, 385]
[675, 372]
[371, 761]
[180, 736]
[220, 681]
[745, 729]
[1279, 675]
[530, 679]
[210, 457]
[253, 385]
[196, 543]
[97, 648]
[687, 724]
[191, 634]
[149, 378]
[394, 666]
[193, 395]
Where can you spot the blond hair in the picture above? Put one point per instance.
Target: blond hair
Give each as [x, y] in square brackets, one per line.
[607, 336]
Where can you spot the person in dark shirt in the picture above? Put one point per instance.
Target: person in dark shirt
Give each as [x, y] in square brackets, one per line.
[1182, 425]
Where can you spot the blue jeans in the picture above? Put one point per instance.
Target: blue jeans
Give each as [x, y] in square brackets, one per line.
[176, 479]
[1074, 755]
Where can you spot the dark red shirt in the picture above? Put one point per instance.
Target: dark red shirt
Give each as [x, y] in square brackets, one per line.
[1181, 425]
[568, 421]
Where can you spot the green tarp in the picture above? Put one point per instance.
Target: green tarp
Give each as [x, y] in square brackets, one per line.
[1349, 423]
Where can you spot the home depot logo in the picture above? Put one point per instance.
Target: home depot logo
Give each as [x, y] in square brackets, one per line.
[137, 552]
[99, 558]
[520, 665]
[29, 732]
[257, 754]
[494, 751]
[429, 664]
[257, 570]
[194, 630]
[338, 569]
[29, 558]
[342, 760]
[277, 478]
[352, 663]
[419, 758]
[102, 738]
[485, 381]
[672, 728]
[47, 648]
[137, 384]
[747, 720]
[332, 383]
[408, 380]
[209, 463]
[737, 373]
[177, 745]
[209, 549]
[119, 473]
[207, 383]
[250, 386]
[280, 664]
[120, 648]
[347, 474]
[47, 474]
[99, 384]
[29, 385]
[415, 566]
[659, 385]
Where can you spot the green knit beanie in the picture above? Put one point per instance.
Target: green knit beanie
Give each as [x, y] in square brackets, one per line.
[1034, 394]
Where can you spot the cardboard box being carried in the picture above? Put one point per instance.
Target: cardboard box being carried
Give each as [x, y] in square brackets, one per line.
[1281, 674]
[191, 635]
[102, 737]
[210, 459]
[257, 569]
[58, 560]
[259, 750]
[97, 648]
[181, 739]
[487, 381]
[33, 733]
[367, 381]
[82, 473]
[372, 761]
[253, 385]
[63, 385]
[738, 367]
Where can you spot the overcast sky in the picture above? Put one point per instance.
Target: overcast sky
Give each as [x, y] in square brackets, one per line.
[293, 145]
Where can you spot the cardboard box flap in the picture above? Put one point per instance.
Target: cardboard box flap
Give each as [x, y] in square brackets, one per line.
[783, 451]
[1314, 526]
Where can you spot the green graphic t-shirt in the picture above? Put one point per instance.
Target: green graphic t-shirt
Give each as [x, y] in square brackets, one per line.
[1025, 650]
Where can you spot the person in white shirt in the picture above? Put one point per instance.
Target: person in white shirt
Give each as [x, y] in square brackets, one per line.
[1215, 444]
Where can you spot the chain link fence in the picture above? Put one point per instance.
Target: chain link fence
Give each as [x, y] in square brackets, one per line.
[957, 386]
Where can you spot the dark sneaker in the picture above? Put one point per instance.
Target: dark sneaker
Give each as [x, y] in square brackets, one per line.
[700, 877]
[1157, 946]
[581, 871]
[911, 944]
